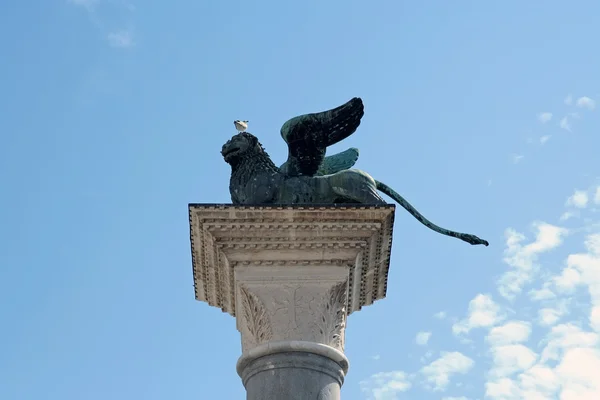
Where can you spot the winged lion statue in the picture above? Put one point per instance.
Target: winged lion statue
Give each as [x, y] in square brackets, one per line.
[309, 176]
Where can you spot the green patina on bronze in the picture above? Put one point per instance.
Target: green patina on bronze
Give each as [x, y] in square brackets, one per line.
[308, 176]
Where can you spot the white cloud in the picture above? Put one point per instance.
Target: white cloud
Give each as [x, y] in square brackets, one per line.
[539, 381]
[592, 244]
[541, 294]
[564, 360]
[586, 102]
[376, 357]
[567, 280]
[583, 269]
[575, 377]
[569, 100]
[544, 117]
[510, 333]
[568, 215]
[565, 337]
[502, 389]
[386, 385]
[544, 139]
[422, 338]
[438, 373]
[579, 374]
[510, 359]
[440, 315]
[122, 39]
[597, 196]
[595, 318]
[483, 313]
[568, 362]
[549, 316]
[516, 158]
[455, 398]
[523, 258]
[564, 124]
[579, 199]
[509, 355]
[426, 357]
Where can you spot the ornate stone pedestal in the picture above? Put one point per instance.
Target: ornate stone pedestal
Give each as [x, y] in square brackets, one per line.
[291, 275]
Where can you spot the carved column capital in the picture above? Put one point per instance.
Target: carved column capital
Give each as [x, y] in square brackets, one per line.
[283, 303]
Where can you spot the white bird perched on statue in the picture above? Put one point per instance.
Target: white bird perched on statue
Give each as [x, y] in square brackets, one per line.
[241, 126]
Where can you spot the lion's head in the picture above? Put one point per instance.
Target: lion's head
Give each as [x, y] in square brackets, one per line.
[239, 145]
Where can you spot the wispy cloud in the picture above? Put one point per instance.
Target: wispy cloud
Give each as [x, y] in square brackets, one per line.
[561, 360]
[544, 139]
[565, 124]
[511, 332]
[568, 352]
[541, 294]
[567, 215]
[422, 338]
[385, 385]
[510, 359]
[426, 357]
[121, 39]
[523, 258]
[102, 13]
[550, 315]
[516, 158]
[586, 102]
[483, 312]
[442, 314]
[544, 117]
[438, 373]
[579, 199]
[582, 102]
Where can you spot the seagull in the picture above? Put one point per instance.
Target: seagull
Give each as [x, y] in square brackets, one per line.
[241, 126]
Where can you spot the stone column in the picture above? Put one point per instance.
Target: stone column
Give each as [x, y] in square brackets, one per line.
[291, 276]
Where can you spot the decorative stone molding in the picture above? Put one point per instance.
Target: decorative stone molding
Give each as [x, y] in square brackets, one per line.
[226, 238]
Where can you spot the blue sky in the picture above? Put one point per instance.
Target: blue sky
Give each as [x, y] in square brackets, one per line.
[483, 114]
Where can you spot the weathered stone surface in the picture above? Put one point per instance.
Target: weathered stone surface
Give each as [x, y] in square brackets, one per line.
[291, 275]
[225, 237]
[282, 303]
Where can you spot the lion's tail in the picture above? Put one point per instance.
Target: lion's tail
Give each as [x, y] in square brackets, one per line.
[472, 239]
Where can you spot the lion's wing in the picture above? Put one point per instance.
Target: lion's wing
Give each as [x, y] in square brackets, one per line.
[338, 162]
[309, 135]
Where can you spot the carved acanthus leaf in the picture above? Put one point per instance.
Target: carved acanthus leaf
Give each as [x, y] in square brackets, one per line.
[257, 319]
[332, 316]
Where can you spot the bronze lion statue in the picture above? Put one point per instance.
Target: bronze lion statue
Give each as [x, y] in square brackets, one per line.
[256, 180]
